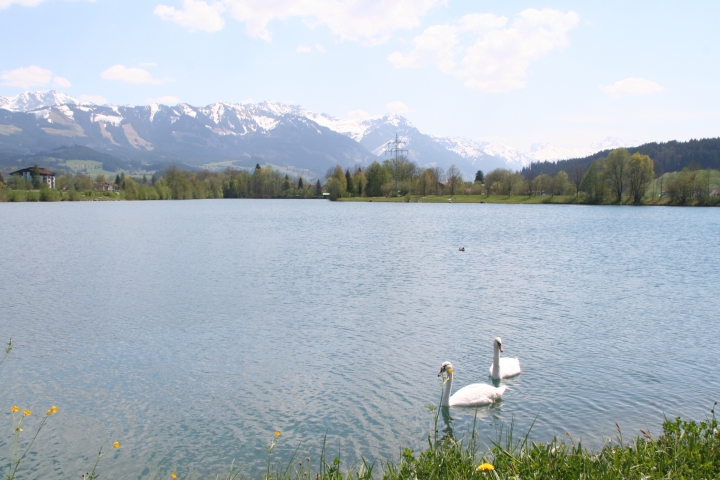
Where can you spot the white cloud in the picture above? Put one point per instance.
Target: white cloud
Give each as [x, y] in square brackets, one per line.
[361, 115]
[165, 100]
[631, 87]
[485, 51]
[368, 21]
[319, 48]
[95, 99]
[61, 82]
[398, 107]
[195, 15]
[304, 49]
[130, 75]
[28, 77]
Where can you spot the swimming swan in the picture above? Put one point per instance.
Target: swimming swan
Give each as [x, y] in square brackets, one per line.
[469, 396]
[503, 367]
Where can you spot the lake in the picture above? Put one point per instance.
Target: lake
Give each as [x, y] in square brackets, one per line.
[190, 331]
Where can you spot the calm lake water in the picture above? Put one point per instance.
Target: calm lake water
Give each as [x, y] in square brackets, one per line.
[191, 331]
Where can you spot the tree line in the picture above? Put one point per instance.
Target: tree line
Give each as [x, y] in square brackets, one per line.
[617, 178]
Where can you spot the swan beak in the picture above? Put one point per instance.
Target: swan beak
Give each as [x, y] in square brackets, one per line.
[501, 349]
[440, 374]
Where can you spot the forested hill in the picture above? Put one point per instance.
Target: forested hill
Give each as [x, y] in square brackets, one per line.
[668, 157]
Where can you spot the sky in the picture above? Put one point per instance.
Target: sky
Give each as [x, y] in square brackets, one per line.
[518, 72]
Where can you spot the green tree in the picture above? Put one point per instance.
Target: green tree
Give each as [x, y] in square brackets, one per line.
[359, 182]
[318, 189]
[425, 184]
[2, 180]
[479, 176]
[593, 182]
[560, 182]
[35, 176]
[334, 188]
[376, 176]
[300, 183]
[286, 184]
[616, 166]
[640, 173]
[340, 176]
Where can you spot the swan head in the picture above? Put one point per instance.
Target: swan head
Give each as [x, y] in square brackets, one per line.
[498, 344]
[446, 367]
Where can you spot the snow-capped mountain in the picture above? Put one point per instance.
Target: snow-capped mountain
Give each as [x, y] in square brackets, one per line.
[26, 101]
[245, 134]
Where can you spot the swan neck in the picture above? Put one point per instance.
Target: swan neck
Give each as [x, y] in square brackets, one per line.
[496, 361]
[445, 402]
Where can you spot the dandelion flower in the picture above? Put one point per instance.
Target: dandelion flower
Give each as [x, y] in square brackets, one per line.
[449, 370]
[173, 475]
[27, 413]
[277, 434]
[486, 467]
[116, 445]
[48, 413]
[53, 409]
[15, 409]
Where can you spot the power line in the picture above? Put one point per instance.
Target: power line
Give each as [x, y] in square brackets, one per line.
[396, 151]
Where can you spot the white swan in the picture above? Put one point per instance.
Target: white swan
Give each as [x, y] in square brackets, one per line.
[503, 367]
[469, 396]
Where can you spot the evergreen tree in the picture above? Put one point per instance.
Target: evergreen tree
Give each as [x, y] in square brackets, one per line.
[117, 180]
[257, 166]
[349, 181]
[286, 184]
[479, 176]
[2, 180]
[300, 182]
[318, 189]
[144, 180]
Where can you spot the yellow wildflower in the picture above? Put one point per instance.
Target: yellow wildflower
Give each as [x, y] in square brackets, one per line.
[277, 434]
[449, 370]
[27, 413]
[15, 408]
[116, 445]
[48, 413]
[53, 409]
[173, 475]
[485, 467]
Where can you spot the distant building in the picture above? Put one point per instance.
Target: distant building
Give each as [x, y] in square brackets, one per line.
[107, 187]
[46, 175]
[715, 192]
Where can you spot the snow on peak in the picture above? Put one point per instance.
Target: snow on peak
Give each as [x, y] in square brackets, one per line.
[27, 101]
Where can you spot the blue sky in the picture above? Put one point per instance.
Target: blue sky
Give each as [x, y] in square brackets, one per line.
[520, 72]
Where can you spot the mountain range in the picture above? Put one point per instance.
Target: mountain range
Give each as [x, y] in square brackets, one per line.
[229, 134]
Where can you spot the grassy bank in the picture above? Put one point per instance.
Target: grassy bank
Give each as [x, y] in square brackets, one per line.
[684, 450]
[518, 199]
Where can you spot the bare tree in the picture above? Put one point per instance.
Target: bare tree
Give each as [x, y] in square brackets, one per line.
[576, 177]
[454, 178]
[439, 177]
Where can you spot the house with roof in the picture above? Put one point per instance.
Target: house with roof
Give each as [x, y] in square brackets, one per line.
[46, 175]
